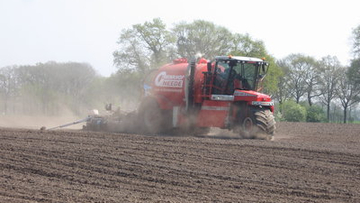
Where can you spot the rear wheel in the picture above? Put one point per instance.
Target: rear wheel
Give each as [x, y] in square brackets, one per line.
[256, 123]
[153, 119]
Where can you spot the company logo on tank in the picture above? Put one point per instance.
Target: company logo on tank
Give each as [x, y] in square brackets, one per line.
[164, 80]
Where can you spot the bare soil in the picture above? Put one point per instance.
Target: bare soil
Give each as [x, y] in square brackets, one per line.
[305, 163]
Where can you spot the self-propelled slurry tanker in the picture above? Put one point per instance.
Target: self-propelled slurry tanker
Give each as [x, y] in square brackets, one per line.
[193, 96]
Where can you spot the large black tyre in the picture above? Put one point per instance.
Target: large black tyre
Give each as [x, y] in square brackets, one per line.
[258, 123]
[265, 123]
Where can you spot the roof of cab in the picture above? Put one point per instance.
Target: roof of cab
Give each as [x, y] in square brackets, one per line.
[240, 58]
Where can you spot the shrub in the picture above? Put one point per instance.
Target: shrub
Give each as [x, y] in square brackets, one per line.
[315, 114]
[293, 112]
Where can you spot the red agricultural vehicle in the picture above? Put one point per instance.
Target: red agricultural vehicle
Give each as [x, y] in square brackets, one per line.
[194, 96]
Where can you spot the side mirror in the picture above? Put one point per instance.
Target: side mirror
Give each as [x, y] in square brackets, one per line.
[209, 66]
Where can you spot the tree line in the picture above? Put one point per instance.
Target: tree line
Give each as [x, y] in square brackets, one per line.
[48, 88]
[323, 82]
[55, 89]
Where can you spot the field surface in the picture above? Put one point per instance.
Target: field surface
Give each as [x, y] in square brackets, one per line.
[305, 163]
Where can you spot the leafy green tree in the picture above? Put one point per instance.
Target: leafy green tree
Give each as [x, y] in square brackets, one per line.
[272, 78]
[150, 45]
[244, 45]
[202, 37]
[144, 46]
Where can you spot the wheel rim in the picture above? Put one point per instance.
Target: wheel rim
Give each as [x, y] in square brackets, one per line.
[247, 124]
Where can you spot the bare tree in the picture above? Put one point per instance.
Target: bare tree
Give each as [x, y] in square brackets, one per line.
[8, 86]
[356, 42]
[311, 78]
[301, 76]
[46, 88]
[347, 92]
[330, 69]
[283, 92]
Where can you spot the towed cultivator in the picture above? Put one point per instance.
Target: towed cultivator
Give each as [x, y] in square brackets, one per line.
[193, 96]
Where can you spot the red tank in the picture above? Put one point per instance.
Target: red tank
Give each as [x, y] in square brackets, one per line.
[168, 83]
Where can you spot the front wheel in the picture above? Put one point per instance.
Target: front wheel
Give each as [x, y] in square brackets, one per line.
[256, 123]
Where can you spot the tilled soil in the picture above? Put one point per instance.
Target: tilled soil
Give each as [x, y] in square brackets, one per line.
[305, 163]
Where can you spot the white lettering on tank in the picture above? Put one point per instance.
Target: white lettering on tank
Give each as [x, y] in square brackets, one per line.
[164, 80]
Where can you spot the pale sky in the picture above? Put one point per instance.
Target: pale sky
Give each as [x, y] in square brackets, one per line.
[33, 31]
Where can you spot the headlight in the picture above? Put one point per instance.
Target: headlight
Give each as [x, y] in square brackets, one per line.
[219, 97]
[259, 103]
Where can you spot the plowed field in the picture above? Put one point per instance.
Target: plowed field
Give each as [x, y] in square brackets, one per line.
[305, 163]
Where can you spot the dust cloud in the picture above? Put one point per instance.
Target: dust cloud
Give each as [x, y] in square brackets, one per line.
[223, 134]
[37, 121]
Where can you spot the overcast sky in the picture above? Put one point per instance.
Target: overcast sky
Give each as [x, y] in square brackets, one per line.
[33, 31]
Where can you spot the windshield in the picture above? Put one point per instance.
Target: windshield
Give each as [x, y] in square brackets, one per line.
[249, 74]
[235, 74]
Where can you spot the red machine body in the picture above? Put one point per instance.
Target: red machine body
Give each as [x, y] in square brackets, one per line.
[189, 94]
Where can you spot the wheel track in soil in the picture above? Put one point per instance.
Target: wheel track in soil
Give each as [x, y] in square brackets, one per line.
[57, 166]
